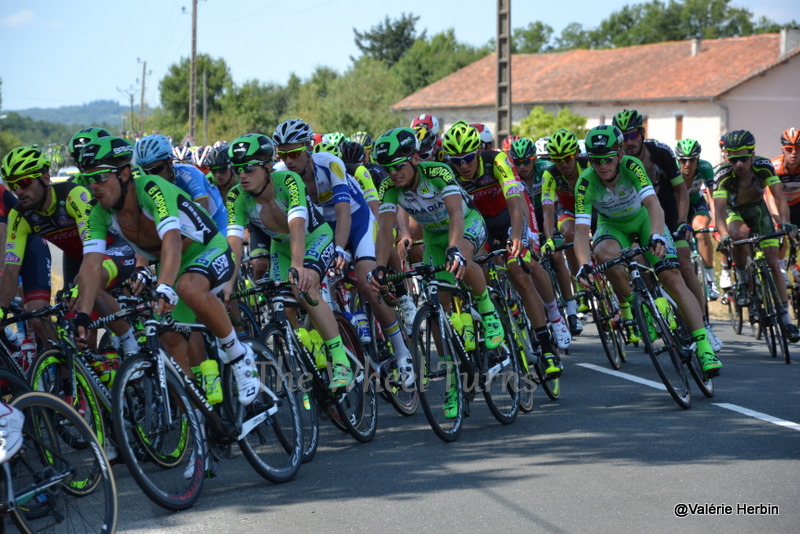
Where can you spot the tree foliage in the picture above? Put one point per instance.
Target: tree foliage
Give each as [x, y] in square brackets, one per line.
[174, 86]
[532, 39]
[389, 40]
[540, 123]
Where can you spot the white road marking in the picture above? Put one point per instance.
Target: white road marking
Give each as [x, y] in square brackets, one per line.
[733, 407]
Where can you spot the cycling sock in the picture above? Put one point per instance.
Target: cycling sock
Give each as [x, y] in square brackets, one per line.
[232, 346]
[553, 315]
[336, 350]
[625, 309]
[128, 342]
[484, 302]
[546, 342]
[396, 337]
[572, 309]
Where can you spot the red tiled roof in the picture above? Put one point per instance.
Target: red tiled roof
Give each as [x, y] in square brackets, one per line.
[660, 71]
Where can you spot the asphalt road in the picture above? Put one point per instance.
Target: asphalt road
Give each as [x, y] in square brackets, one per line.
[612, 455]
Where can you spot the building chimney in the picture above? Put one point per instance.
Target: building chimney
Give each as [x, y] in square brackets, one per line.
[696, 46]
[790, 39]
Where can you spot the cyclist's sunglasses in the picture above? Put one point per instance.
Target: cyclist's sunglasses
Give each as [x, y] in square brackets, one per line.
[524, 161]
[101, 176]
[457, 161]
[791, 149]
[602, 160]
[23, 181]
[562, 159]
[396, 166]
[246, 167]
[156, 169]
[734, 159]
[291, 154]
[630, 136]
[220, 169]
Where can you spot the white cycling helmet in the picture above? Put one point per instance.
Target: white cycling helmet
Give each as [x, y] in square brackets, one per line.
[541, 148]
[292, 131]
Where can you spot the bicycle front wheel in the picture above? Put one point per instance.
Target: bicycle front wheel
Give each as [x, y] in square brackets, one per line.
[500, 378]
[46, 471]
[271, 425]
[159, 434]
[661, 345]
[439, 381]
[603, 318]
[772, 319]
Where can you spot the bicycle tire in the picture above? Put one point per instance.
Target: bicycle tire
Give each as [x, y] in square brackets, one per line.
[436, 374]
[146, 439]
[274, 446]
[605, 331]
[45, 375]
[274, 339]
[662, 347]
[735, 315]
[499, 370]
[358, 406]
[777, 339]
[11, 386]
[522, 344]
[404, 399]
[46, 465]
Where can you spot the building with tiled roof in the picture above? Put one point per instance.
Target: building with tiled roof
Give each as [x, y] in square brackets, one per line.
[694, 88]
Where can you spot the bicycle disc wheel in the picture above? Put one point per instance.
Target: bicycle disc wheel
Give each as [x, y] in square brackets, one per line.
[437, 375]
[273, 433]
[46, 471]
[159, 436]
[274, 339]
[662, 347]
[358, 406]
[46, 374]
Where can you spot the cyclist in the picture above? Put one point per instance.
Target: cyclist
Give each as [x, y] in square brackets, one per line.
[739, 201]
[659, 162]
[617, 186]
[345, 209]
[154, 153]
[787, 168]
[558, 206]
[530, 170]
[165, 226]
[365, 140]
[487, 138]
[59, 214]
[301, 242]
[698, 175]
[219, 165]
[78, 141]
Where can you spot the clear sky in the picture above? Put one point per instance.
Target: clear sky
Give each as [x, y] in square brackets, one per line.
[57, 52]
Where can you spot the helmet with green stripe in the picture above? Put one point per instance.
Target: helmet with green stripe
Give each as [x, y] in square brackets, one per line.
[395, 144]
[330, 148]
[602, 140]
[739, 140]
[82, 137]
[687, 149]
[523, 148]
[106, 153]
[628, 119]
[23, 161]
[251, 148]
[461, 138]
[562, 143]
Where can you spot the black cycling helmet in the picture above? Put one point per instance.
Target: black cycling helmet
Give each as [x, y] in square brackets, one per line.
[628, 119]
[602, 140]
[251, 148]
[687, 149]
[219, 156]
[394, 145]
[738, 140]
[81, 138]
[522, 148]
[353, 152]
[363, 138]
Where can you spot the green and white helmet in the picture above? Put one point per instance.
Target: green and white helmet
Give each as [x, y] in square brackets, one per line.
[687, 149]
[602, 140]
[251, 148]
[106, 153]
[395, 144]
[628, 119]
[82, 137]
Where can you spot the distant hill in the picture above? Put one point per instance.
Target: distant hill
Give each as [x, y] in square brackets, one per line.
[98, 113]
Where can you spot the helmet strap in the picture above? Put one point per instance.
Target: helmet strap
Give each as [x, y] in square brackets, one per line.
[123, 190]
[266, 182]
[46, 190]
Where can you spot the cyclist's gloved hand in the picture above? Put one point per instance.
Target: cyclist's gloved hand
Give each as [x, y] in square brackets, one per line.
[143, 276]
[549, 246]
[344, 254]
[165, 292]
[583, 273]
[377, 274]
[683, 232]
[789, 228]
[725, 242]
[657, 239]
[82, 320]
[454, 255]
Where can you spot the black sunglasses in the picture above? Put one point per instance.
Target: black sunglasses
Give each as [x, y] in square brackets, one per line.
[157, 169]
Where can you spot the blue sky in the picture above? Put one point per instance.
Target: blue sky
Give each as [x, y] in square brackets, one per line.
[57, 53]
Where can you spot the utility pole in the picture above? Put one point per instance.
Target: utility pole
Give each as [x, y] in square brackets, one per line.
[193, 75]
[141, 98]
[205, 108]
[503, 104]
[130, 92]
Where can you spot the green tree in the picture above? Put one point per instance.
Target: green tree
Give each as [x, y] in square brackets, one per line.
[540, 123]
[532, 39]
[252, 107]
[389, 40]
[573, 37]
[424, 63]
[174, 86]
[8, 141]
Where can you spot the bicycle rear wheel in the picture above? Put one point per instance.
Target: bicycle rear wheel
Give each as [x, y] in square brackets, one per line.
[500, 376]
[159, 435]
[404, 399]
[46, 472]
[301, 385]
[11, 386]
[437, 375]
[273, 431]
[358, 405]
[661, 345]
[772, 319]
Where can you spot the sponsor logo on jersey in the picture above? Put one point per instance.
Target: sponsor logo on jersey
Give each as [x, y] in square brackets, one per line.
[155, 192]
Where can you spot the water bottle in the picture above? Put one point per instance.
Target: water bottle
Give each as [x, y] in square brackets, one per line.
[364, 332]
[211, 381]
[312, 341]
[469, 330]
